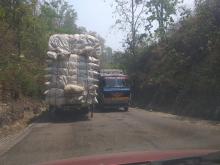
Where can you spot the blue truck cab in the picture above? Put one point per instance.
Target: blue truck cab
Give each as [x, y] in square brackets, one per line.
[114, 91]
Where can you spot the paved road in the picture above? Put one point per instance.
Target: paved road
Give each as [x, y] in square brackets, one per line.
[110, 132]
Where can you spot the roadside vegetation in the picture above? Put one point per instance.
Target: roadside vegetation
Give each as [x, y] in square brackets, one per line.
[25, 27]
[178, 70]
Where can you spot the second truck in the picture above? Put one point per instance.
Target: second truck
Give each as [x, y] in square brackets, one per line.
[114, 90]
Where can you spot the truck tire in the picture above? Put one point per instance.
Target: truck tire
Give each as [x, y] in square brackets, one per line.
[55, 112]
[51, 108]
[91, 108]
[85, 110]
[126, 109]
[52, 112]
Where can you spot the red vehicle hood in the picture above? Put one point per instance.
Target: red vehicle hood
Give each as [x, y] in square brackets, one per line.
[132, 157]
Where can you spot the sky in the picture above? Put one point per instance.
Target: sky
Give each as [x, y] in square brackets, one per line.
[97, 15]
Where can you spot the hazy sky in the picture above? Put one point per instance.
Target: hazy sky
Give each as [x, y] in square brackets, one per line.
[96, 15]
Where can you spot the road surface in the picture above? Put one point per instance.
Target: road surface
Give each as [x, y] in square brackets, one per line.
[110, 132]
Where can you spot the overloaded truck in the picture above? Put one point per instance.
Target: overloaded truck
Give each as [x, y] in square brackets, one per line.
[72, 72]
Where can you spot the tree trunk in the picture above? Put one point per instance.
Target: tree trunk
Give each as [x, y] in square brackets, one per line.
[133, 30]
[161, 22]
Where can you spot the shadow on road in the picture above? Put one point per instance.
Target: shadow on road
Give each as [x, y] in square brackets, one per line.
[61, 117]
[69, 116]
[109, 110]
[178, 116]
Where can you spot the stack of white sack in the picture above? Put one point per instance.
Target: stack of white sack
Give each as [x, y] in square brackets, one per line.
[73, 68]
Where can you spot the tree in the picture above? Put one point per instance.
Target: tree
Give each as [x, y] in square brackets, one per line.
[15, 12]
[59, 16]
[107, 57]
[162, 12]
[81, 30]
[25, 27]
[129, 14]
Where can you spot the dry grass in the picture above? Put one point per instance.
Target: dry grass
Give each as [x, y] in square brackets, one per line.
[15, 116]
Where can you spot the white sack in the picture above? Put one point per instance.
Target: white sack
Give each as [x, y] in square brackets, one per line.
[72, 72]
[93, 87]
[54, 92]
[77, 65]
[63, 57]
[93, 73]
[67, 44]
[56, 71]
[55, 97]
[54, 78]
[75, 99]
[71, 88]
[72, 79]
[59, 43]
[93, 60]
[76, 58]
[52, 55]
[58, 82]
[55, 101]
[92, 39]
[72, 65]
[93, 66]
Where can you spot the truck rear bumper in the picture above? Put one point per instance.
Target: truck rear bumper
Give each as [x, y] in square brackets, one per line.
[115, 105]
[71, 107]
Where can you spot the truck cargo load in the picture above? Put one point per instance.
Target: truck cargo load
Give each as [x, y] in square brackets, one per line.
[72, 70]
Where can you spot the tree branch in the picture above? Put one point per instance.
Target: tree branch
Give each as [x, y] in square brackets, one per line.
[138, 16]
[124, 12]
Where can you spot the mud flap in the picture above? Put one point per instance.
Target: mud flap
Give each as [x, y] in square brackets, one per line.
[91, 108]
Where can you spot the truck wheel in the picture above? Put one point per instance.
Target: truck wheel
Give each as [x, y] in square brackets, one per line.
[125, 109]
[51, 108]
[52, 112]
[85, 111]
